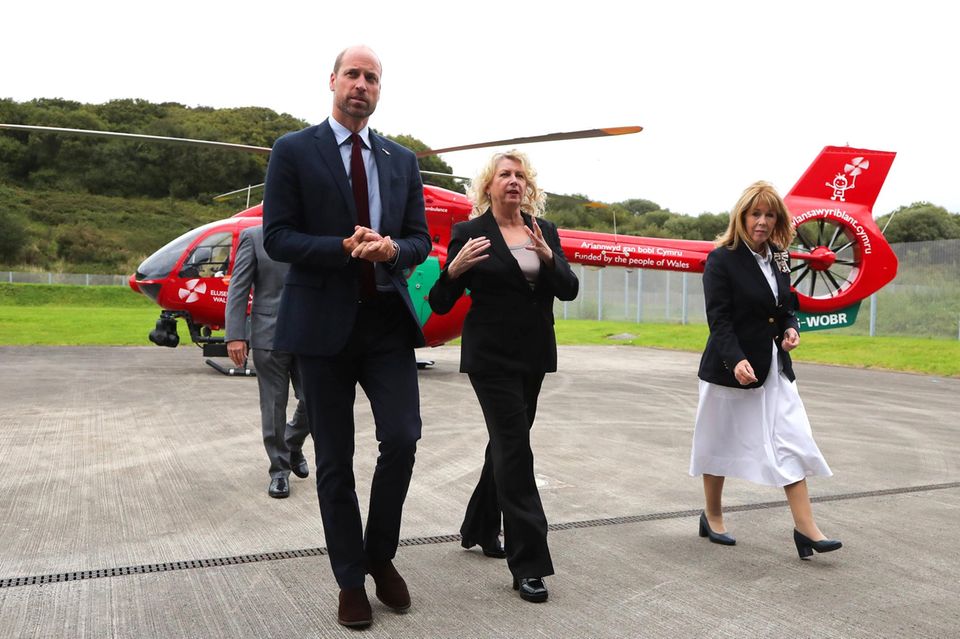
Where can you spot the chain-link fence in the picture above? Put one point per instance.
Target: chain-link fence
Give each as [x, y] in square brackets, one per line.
[82, 279]
[635, 295]
[923, 300]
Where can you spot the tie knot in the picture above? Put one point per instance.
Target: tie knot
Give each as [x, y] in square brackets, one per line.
[356, 141]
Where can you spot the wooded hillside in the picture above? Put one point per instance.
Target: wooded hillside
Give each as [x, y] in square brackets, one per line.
[88, 204]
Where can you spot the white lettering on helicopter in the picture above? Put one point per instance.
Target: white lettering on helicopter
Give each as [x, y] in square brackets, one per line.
[843, 216]
[219, 295]
[831, 319]
[627, 250]
[436, 209]
[611, 258]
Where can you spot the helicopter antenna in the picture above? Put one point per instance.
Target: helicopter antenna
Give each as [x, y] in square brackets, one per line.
[247, 189]
[883, 231]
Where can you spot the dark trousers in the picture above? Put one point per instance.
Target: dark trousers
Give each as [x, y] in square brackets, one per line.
[379, 356]
[507, 483]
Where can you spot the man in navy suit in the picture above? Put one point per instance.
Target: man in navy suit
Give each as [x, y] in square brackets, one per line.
[344, 207]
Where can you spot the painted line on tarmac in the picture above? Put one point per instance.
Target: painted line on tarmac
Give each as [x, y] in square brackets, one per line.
[680, 514]
[144, 569]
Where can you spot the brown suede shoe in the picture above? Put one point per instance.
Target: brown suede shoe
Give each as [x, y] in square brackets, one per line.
[354, 608]
[391, 588]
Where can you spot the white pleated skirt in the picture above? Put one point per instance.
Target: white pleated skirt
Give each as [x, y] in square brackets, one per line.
[758, 434]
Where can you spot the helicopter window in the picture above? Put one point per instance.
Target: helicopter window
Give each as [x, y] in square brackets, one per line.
[160, 264]
[210, 258]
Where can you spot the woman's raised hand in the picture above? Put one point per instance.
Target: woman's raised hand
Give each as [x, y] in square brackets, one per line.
[474, 251]
[539, 245]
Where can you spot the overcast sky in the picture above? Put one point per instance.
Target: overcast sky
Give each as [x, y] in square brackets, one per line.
[727, 92]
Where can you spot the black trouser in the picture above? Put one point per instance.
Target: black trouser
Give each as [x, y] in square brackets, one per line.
[379, 356]
[507, 483]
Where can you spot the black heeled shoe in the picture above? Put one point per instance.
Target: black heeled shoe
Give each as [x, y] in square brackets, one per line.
[718, 538]
[531, 589]
[493, 549]
[806, 546]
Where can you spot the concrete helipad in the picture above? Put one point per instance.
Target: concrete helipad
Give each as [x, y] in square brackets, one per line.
[133, 504]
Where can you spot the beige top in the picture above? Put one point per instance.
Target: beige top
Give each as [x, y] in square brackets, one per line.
[529, 261]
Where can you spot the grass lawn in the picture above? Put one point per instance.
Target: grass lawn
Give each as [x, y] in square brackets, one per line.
[78, 325]
[913, 354]
[103, 315]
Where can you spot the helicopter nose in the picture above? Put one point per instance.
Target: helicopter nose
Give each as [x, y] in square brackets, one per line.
[148, 288]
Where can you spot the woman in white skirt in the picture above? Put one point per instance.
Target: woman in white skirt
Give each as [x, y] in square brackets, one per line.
[751, 423]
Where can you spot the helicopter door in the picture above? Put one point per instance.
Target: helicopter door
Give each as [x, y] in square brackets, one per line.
[210, 258]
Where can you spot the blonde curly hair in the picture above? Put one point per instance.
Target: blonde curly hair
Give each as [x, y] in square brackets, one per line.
[534, 200]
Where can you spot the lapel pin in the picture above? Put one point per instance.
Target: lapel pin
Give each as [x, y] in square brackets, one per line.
[782, 259]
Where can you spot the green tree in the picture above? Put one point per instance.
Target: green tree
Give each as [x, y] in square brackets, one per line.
[920, 222]
[13, 237]
[120, 167]
[430, 163]
[639, 206]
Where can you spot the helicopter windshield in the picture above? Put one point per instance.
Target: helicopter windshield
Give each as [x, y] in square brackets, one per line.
[210, 258]
[159, 265]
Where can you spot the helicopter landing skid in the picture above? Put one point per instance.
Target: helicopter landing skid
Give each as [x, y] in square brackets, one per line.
[233, 371]
[424, 364]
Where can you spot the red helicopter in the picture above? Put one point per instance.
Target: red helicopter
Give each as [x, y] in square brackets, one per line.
[840, 255]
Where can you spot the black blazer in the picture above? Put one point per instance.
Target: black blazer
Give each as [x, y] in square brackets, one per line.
[509, 326]
[308, 208]
[743, 316]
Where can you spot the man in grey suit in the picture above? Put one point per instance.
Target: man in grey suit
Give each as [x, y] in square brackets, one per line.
[275, 369]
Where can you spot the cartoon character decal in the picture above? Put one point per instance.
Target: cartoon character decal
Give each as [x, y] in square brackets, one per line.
[841, 184]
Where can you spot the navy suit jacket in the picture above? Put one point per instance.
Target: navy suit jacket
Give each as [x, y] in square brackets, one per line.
[308, 209]
[744, 316]
[509, 326]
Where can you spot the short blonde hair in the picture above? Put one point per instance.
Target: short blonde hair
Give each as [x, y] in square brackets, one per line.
[534, 200]
[758, 193]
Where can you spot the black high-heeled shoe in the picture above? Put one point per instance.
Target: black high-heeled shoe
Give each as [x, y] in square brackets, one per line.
[531, 589]
[718, 538]
[806, 546]
[492, 549]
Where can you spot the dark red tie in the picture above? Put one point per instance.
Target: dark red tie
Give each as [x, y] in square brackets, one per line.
[358, 178]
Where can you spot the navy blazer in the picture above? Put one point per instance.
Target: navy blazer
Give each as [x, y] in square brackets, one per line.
[308, 210]
[509, 326]
[744, 316]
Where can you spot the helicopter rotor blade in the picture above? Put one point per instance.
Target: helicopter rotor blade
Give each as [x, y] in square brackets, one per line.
[262, 150]
[589, 204]
[446, 175]
[246, 148]
[549, 137]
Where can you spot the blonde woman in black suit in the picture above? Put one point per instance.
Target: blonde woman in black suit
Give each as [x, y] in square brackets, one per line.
[514, 267]
[750, 420]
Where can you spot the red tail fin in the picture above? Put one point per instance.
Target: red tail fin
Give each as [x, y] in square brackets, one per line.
[842, 174]
[842, 257]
